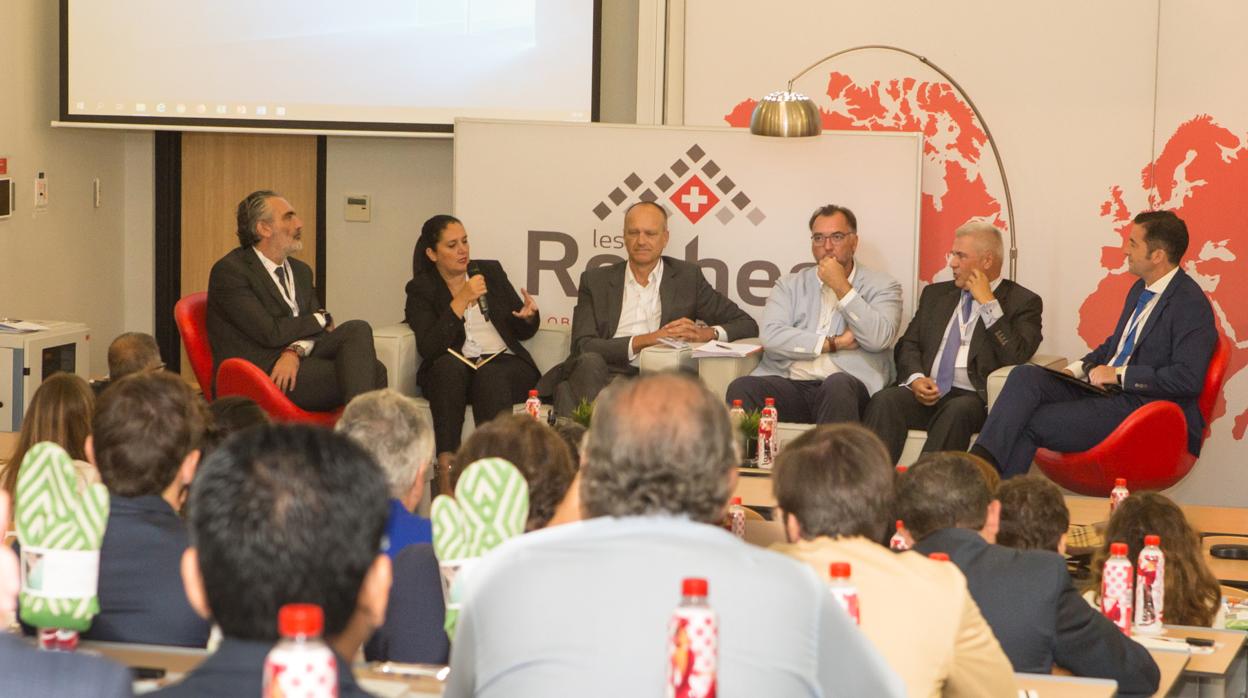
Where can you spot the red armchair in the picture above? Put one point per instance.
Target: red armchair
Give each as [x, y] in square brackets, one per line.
[1149, 448]
[235, 376]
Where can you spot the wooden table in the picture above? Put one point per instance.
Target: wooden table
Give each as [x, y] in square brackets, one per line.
[1171, 664]
[1207, 520]
[1227, 644]
[1046, 685]
[754, 487]
[177, 661]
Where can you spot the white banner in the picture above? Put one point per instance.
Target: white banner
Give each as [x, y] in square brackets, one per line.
[547, 200]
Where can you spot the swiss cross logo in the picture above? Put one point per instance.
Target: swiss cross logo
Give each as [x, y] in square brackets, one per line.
[694, 199]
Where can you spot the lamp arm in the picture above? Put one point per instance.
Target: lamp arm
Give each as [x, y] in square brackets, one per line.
[992, 143]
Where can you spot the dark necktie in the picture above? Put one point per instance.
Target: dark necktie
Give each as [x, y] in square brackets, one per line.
[281, 282]
[953, 342]
[1133, 328]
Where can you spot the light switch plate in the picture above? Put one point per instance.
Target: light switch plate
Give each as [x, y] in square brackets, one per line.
[358, 208]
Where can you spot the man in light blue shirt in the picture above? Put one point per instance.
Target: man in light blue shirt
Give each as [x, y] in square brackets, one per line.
[583, 609]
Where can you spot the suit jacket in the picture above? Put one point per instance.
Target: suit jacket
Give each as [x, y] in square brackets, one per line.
[683, 292]
[27, 671]
[413, 629]
[237, 669]
[248, 317]
[438, 328]
[1172, 350]
[140, 591]
[1028, 599]
[919, 615]
[791, 321]
[1011, 340]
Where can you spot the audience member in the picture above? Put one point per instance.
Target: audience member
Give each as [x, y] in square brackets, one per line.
[1192, 593]
[147, 432]
[26, 671]
[60, 411]
[133, 352]
[1033, 514]
[1025, 595]
[535, 449]
[399, 437]
[278, 515]
[834, 485]
[573, 434]
[234, 413]
[594, 598]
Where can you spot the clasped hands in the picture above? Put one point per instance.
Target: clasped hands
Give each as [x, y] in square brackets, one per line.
[680, 328]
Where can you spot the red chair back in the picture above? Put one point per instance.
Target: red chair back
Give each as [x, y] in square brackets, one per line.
[1215, 376]
[190, 315]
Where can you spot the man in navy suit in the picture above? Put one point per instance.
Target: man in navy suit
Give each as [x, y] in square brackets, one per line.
[1159, 350]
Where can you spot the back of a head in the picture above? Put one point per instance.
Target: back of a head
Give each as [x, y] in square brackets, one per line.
[132, 352]
[145, 424]
[535, 449]
[285, 514]
[1033, 513]
[234, 413]
[659, 444]
[837, 479]
[60, 411]
[394, 430]
[942, 490]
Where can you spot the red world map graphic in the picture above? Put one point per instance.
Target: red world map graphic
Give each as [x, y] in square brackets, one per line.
[1201, 173]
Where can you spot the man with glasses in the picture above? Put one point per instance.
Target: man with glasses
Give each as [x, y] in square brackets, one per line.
[963, 330]
[827, 331]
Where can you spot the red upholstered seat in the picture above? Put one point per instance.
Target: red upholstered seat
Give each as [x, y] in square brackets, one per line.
[236, 376]
[1149, 448]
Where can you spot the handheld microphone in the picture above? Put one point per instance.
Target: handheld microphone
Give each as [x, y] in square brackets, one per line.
[483, 304]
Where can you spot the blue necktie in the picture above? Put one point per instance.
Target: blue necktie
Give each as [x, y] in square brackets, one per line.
[1133, 329]
[953, 342]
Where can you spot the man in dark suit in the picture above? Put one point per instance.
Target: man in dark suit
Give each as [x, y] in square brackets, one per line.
[628, 306]
[1159, 350]
[284, 514]
[963, 330]
[26, 671]
[145, 441]
[262, 307]
[1025, 595]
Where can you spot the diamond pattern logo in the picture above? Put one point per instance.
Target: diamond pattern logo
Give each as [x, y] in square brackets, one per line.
[694, 199]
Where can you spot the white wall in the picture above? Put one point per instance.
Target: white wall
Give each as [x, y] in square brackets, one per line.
[66, 262]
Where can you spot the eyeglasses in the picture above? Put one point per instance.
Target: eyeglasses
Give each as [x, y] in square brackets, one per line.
[836, 238]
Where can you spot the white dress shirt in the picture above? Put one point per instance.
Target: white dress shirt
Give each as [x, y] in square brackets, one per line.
[831, 323]
[287, 291]
[989, 312]
[481, 338]
[1158, 287]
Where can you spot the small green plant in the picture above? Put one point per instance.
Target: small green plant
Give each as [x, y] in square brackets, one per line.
[749, 424]
[584, 412]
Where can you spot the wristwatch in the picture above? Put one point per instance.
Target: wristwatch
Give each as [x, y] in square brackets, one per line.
[296, 349]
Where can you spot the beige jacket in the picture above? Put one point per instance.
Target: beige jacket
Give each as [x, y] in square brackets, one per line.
[919, 615]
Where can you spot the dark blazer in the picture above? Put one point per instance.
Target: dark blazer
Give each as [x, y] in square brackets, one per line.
[27, 671]
[237, 669]
[683, 292]
[1011, 340]
[413, 629]
[141, 594]
[248, 317]
[1172, 350]
[438, 328]
[1028, 599]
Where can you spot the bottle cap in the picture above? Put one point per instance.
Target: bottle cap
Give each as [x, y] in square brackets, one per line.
[901, 526]
[902, 468]
[693, 586]
[736, 403]
[839, 570]
[769, 401]
[1152, 540]
[939, 556]
[736, 500]
[1120, 482]
[532, 393]
[1118, 549]
[295, 619]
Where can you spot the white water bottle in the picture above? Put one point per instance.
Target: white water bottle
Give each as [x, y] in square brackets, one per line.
[736, 517]
[1119, 493]
[300, 665]
[767, 433]
[843, 590]
[898, 542]
[736, 415]
[533, 406]
[1150, 587]
[1116, 595]
[692, 644]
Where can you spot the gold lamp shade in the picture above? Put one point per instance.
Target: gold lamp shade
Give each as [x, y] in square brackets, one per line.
[786, 114]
